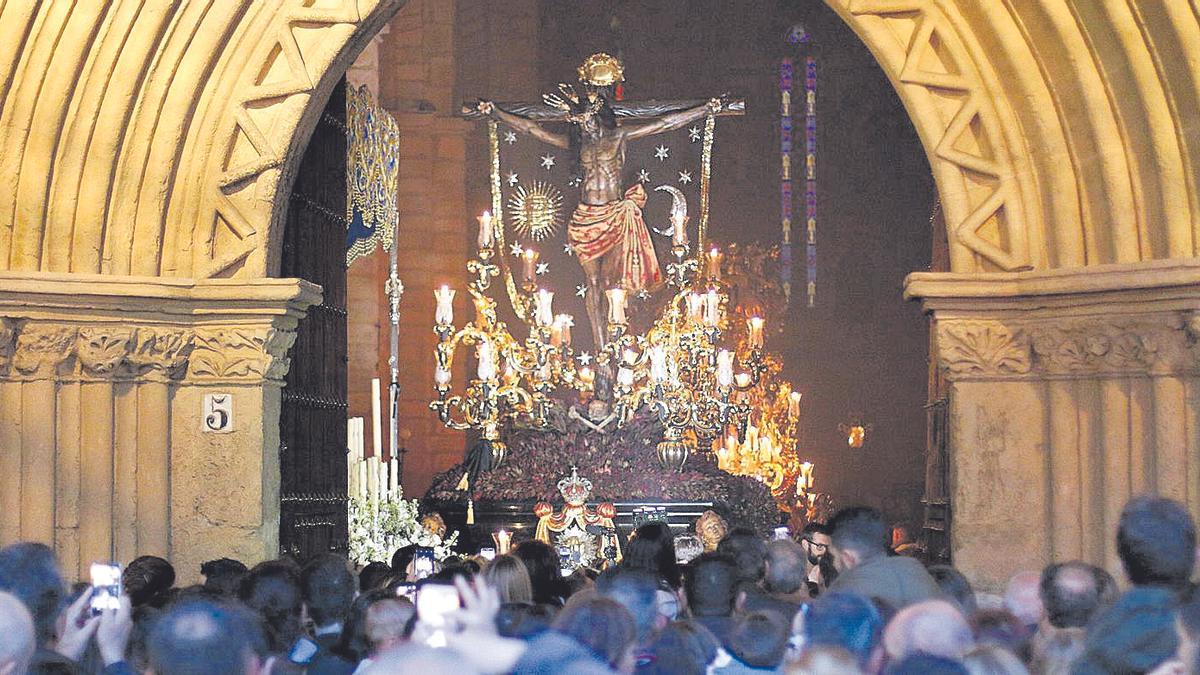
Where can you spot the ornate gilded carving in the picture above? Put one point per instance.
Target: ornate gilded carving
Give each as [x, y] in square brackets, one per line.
[101, 350]
[241, 354]
[983, 348]
[43, 349]
[160, 352]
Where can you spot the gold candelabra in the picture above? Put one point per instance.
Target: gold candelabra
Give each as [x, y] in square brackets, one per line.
[679, 368]
[513, 379]
[767, 451]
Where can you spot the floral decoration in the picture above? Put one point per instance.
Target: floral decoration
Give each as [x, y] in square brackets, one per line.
[376, 533]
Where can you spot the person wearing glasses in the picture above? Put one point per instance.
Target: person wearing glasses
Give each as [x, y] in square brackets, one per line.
[815, 542]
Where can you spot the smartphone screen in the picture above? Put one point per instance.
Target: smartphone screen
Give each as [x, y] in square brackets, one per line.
[423, 563]
[406, 590]
[106, 587]
[487, 553]
[434, 602]
[782, 532]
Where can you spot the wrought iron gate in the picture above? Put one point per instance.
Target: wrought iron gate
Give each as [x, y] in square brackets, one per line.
[312, 422]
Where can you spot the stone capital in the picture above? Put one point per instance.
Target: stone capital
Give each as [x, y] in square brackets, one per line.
[120, 328]
[1116, 320]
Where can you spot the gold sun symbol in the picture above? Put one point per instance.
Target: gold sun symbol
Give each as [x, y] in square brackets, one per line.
[534, 210]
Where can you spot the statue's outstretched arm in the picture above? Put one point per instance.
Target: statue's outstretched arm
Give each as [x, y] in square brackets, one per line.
[673, 121]
[525, 126]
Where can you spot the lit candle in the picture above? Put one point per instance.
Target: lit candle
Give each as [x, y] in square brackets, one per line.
[616, 305]
[625, 377]
[445, 305]
[530, 256]
[441, 376]
[725, 368]
[556, 334]
[806, 474]
[695, 307]
[485, 229]
[755, 327]
[714, 264]
[742, 380]
[545, 311]
[679, 235]
[712, 308]
[658, 363]
[794, 404]
[564, 322]
[487, 360]
[503, 541]
[586, 376]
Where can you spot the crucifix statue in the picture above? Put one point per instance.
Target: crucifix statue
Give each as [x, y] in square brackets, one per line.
[606, 231]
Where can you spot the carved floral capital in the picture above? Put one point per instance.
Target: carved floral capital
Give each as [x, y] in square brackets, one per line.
[241, 353]
[1155, 344]
[43, 349]
[983, 348]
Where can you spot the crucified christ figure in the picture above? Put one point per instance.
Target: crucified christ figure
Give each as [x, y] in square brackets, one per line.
[606, 231]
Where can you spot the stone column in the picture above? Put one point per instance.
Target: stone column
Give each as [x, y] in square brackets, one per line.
[102, 388]
[1070, 392]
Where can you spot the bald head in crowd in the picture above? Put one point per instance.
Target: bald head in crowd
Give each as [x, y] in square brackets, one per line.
[1022, 597]
[17, 641]
[1071, 594]
[933, 627]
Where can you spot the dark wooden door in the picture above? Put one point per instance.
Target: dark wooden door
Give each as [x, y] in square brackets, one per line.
[313, 418]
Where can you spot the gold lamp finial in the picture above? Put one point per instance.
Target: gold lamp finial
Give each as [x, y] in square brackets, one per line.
[601, 70]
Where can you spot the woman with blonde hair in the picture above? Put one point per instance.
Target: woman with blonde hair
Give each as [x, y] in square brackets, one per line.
[507, 574]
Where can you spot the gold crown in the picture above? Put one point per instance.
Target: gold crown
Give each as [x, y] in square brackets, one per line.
[575, 490]
[601, 70]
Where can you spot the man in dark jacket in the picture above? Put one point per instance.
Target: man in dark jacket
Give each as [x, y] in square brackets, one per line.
[860, 538]
[1156, 541]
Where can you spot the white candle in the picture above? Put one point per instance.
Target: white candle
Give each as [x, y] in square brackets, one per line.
[625, 377]
[362, 479]
[794, 404]
[351, 475]
[616, 305]
[725, 368]
[545, 307]
[658, 363]
[445, 305]
[695, 307]
[712, 308]
[487, 360]
[485, 229]
[714, 264]
[376, 419]
[394, 474]
[755, 327]
[564, 322]
[441, 376]
[530, 258]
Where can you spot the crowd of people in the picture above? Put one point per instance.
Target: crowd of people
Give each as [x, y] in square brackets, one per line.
[838, 600]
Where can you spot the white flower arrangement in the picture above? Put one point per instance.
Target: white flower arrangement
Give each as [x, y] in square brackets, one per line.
[377, 530]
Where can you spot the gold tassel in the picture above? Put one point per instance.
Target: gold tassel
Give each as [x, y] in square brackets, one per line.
[470, 511]
[464, 483]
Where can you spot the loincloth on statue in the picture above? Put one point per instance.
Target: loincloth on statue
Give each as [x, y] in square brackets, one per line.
[595, 230]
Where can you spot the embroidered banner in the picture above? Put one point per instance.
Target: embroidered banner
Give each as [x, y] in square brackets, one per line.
[372, 171]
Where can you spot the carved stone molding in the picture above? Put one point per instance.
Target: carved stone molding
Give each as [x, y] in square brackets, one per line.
[8, 342]
[983, 348]
[1006, 349]
[43, 350]
[159, 353]
[259, 354]
[101, 350]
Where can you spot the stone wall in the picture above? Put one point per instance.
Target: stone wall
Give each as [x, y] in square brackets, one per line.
[102, 387]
